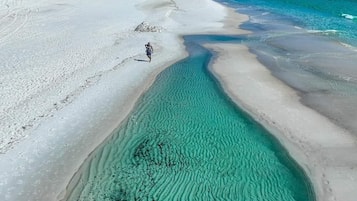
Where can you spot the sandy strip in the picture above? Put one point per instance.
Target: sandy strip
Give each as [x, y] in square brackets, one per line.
[79, 72]
[326, 152]
[71, 72]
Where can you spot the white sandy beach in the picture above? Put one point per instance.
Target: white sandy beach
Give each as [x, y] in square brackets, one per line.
[71, 72]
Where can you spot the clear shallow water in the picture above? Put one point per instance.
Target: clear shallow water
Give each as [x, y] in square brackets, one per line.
[186, 141]
[338, 15]
[311, 47]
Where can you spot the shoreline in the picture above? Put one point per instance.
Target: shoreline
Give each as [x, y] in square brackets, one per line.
[40, 162]
[37, 167]
[320, 147]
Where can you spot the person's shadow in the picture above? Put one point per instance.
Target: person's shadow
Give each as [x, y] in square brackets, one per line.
[142, 60]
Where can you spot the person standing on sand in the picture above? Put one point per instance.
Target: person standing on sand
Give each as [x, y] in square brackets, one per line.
[149, 50]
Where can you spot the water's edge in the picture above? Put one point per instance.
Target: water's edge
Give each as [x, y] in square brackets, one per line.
[288, 160]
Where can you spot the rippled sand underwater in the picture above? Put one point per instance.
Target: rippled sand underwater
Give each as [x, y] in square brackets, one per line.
[186, 141]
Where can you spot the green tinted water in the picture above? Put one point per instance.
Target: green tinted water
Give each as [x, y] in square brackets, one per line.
[186, 141]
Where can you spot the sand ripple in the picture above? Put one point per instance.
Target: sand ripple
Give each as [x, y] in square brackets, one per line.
[186, 141]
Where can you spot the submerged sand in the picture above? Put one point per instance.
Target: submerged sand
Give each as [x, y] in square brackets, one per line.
[72, 72]
[325, 151]
[65, 93]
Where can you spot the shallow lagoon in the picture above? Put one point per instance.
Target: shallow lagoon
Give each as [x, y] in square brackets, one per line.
[187, 141]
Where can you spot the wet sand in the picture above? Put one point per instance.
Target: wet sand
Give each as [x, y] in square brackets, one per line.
[48, 133]
[325, 151]
[65, 93]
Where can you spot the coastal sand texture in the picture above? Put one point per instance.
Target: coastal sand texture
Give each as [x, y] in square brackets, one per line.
[72, 71]
[325, 151]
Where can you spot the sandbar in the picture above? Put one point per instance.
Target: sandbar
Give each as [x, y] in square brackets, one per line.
[325, 151]
[71, 74]
[82, 68]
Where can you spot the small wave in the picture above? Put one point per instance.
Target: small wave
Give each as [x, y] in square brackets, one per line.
[323, 31]
[348, 16]
[346, 78]
[351, 47]
[328, 32]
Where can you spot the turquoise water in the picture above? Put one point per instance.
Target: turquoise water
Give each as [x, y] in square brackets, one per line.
[312, 47]
[186, 141]
[338, 15]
